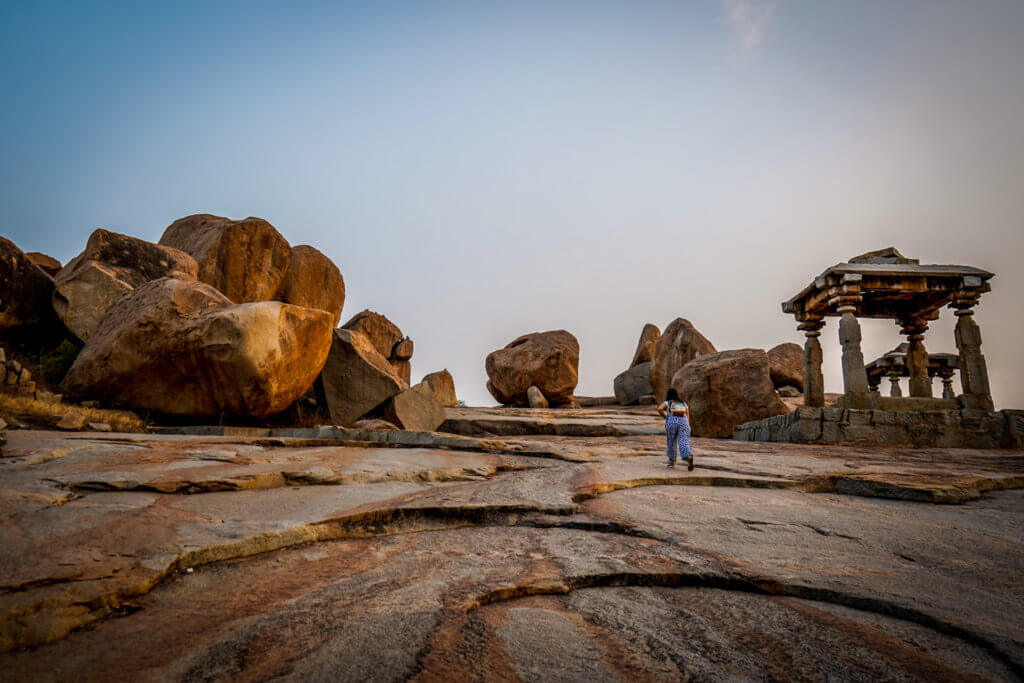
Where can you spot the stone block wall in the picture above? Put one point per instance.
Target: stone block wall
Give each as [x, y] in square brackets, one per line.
[919, 429]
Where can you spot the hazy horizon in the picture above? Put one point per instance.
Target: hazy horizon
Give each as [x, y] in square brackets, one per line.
[480, 171]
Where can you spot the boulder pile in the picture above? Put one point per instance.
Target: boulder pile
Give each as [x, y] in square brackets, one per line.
[15, 379]
[546, 360]
[221, 318]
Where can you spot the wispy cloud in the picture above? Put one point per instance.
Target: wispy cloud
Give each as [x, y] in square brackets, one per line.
[748, 19]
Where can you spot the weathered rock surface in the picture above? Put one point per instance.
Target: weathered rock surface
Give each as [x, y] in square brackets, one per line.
[183, 348]
[356, 377]
[630, 385]
[535, 398]
[246, 260]
[25, 290]
[47, 264]
[548, 360]
[645, 347]
[727, 389]
[679, 344]
[313, 281]
[443, 386]
[415, 409]
[786, 365]
[543, 558]
[111, 265]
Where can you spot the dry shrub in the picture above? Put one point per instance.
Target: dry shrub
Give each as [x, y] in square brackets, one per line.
[45, 415]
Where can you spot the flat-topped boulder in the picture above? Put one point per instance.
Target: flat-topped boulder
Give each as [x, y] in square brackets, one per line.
[356, 378]
[547, 360]
[182, 348]
[25, 289]
[111, 265]
[727, 389]
[246, 260]
[678, 344]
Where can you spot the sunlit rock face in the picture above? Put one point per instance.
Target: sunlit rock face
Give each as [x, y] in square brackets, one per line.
[182, 348]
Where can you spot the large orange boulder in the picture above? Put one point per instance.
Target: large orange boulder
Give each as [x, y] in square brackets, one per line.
[246, 260]
[645, 347]
[356, 378]
[25, 289]
[678, 344]
[313, 281]
[548, 360]
[182, 348]
[111, 265]
[727, 389]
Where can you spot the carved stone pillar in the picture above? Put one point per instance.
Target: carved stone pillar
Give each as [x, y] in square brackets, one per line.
[973, 371]
[894, 382]
[947, 382]
[917, 356]
[855, 377]
[814, 381]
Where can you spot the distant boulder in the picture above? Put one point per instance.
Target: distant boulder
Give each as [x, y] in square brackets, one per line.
[549, 360]
[786, 365]
[356, 379]
[182, 348]
[632, 384]
[443, 386]
[645, 347]
[312, 280]
[111, 265]
[246, 260]
[415, 409]
[25, 290]
[47, 264]
[679, 344]
[727, 389]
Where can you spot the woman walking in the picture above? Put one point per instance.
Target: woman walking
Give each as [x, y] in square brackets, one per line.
[677, 428]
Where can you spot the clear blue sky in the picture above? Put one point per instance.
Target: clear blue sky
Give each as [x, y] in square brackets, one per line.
[479, 170]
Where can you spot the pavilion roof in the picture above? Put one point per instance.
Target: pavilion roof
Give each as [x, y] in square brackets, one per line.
[889, 285]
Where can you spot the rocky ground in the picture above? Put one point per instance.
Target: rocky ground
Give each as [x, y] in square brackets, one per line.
[564, 550]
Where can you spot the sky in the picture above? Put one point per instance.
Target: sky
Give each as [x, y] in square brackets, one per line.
[480, 170]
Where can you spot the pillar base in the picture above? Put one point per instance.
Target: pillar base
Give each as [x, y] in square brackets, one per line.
[864, 400]
[975, 402]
